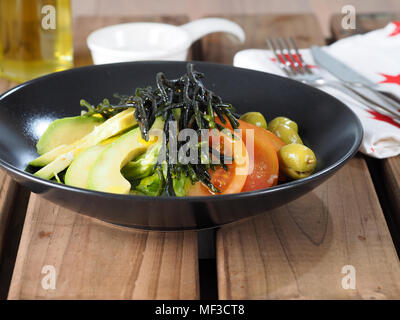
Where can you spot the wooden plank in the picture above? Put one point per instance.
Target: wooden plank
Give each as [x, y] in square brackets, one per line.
[220, 48]
[390, 166]
[95, 260]
[13, 201]
[7, 185]
[298, 251]
[391, 176]
[8, 190]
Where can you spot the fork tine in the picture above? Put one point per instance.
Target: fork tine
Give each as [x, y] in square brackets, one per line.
[296, 51]
[292, 57]
[281, 65]
[287, 62]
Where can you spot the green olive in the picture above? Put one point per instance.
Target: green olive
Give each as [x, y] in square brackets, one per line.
[276, 122]
[255, 118]
[296, 161]
[287, 134]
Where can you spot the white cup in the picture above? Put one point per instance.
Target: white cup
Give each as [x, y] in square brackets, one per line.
[153, 41]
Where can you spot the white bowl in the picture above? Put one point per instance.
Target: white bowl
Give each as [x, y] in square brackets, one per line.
[153, 41]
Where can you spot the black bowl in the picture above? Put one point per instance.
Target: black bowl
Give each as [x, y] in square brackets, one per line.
[331, 129]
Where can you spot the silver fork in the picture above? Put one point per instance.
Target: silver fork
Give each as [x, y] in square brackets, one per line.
[292, 64]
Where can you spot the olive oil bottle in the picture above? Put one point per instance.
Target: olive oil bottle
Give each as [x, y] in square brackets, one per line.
[35, 38]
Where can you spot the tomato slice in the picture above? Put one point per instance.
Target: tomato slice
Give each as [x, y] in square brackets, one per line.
[264, 157]
[265, 160]
[275, 141]
[263, 165]
[227, 181]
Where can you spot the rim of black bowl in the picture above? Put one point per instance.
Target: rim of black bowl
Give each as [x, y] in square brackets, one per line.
[288, 185]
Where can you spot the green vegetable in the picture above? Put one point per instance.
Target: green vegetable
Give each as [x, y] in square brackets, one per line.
[180, 184]
[151, 185]
[142, 166]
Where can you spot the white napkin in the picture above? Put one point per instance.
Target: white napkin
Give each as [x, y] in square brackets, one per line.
[376, 55]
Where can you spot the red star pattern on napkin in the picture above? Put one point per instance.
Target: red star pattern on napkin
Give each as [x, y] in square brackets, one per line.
[390, 79]
[396, 30]
[381, 117]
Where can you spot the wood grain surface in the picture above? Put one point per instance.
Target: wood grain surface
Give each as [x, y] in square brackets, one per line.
[390, 166]
[298, 251]
[220, 48]
[12, 205]
[8, 191]
[95, 260]
[7, 186]
[195, 9]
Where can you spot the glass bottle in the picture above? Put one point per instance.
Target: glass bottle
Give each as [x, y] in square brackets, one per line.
[35, 38]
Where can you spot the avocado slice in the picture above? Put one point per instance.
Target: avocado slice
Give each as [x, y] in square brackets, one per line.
[56, 166]
[61, 160]
[66, 131]
[105, 174]
[50, 155]
[78, 172]
[120, 122]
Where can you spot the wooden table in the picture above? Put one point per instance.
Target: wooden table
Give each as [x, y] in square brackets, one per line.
[295, 252]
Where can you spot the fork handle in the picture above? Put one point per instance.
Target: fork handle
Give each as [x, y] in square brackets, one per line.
[390, 96]
[363, 99]
[392, 102]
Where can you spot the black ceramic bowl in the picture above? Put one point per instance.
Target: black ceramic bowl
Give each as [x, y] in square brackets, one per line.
[326, 125]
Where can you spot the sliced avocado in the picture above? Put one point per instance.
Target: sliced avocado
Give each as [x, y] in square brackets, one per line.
[66, 131]
[56, 166]
[105, 174]
[104, 131]
[109, 128]
[78, 172]
[50, 156]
